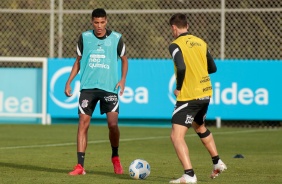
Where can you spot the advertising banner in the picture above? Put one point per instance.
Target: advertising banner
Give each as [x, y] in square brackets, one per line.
[243, 90]
[246, 90]
[20, 93]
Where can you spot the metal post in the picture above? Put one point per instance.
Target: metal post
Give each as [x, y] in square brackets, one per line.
[218, 122]
[60, 31]
[52, 25]
[222, 32]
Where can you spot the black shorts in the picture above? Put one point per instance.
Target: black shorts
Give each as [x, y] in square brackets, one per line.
[89, 98]
[185, 112]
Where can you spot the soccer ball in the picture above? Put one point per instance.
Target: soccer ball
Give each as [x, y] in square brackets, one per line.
[139, 169]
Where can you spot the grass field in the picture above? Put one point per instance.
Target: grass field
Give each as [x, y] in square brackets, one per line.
[45, 154]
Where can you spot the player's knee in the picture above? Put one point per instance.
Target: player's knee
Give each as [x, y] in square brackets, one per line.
[83, 124]
[112, 125]
[205, 134]
[172, 137]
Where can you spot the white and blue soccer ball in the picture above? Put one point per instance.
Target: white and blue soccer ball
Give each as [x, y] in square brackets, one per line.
[139, 169]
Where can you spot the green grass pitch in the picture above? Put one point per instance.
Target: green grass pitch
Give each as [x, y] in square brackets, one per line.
[45, 154]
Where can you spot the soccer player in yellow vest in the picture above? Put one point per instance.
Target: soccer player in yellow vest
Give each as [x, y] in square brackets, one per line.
[192, 64]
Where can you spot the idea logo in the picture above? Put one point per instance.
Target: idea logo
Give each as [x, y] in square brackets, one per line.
[57, 87]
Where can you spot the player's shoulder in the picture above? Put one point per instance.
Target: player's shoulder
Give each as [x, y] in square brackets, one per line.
[197, 38]
[115, 33]
[172, 47]
[88, 32]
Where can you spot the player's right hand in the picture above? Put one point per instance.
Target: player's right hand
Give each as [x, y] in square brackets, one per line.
[68, 91]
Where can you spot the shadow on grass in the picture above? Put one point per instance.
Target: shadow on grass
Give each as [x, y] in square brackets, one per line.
[90, 173]
[54, 170]
[32, 167]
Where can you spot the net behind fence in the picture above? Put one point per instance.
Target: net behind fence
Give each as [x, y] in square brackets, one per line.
[233, 29]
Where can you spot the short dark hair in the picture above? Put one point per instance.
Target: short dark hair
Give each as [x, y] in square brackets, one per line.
[178, 19]
[99, 12]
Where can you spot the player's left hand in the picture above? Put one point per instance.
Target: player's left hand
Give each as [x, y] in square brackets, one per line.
[176, 92]
[121, 84]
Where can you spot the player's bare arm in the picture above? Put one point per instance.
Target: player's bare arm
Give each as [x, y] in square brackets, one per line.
[124, 69]
[74, 72]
